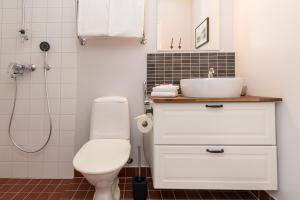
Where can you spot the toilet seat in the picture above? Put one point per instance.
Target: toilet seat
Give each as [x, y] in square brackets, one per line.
[101, 156]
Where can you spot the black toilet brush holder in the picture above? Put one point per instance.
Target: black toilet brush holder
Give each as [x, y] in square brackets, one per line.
[140, 188]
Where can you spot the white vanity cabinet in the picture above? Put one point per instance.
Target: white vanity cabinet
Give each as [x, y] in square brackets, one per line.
[214, 146]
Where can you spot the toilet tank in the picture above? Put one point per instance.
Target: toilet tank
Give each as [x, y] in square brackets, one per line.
[110, 118]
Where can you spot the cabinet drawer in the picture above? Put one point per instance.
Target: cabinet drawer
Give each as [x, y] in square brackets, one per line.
[218, 124]
[192, 167]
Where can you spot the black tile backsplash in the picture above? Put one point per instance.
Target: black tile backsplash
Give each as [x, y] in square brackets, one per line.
[167, 68]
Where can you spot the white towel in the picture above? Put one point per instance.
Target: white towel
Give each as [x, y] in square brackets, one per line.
[111, 18]
[93, 18]
[164, 94]
[126, 18]
[165, 88]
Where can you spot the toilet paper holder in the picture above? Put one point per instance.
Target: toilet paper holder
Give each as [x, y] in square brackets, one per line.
[149, 111]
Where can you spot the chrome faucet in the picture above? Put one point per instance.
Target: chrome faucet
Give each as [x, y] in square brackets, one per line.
[211, 72]
[15, 69]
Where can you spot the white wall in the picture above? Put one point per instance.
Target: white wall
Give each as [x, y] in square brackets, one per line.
[175, 21]
[53, 21]
[118, 67]
[267, 46]
[201, 10]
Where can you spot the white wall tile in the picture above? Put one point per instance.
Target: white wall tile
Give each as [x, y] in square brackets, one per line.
[5, 169]
[19, 169]
[69, 60]
[39, 3]
[37, 106]
[68, 91]
[18, 156]
[51, 154]
[54, 140]
[54, 90]
[54, 4]
[22, 107]
[67, 122]
[9, 3]
[50, 170]
[66, 154]
[9, 16]
[54, 15]
[52, 21]
[5, 106]
[69, 45]
[38, 30]
[39, 15]
[67, 138]
[65, 170]
[68, 15]
[68, 107]
[36, 169]
[68, 30]
[54, 30]
[69, 75]
[20, 137]
[55, 106]
[5, 153]
[4, 120]
[4, 139]
[68, 3]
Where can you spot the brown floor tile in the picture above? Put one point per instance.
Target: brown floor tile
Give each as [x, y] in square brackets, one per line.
[246, 195]
[89, 195]
[264, 196]
[232, 195]
[79, 189]
[44, 196]
[205, 195]
[167, 194]
[8, 196]
[80, 195]
[155, 194]
[31, 196]
[21, 196]
[180, 194]
[192, 194]
[128, 195]
[16, 188]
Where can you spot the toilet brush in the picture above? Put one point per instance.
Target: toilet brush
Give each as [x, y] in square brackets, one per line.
[140, 190]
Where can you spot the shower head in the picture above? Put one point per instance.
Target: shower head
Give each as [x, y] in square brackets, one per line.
[45, 46]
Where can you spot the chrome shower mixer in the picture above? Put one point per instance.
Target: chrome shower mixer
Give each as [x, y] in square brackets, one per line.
[16, 69]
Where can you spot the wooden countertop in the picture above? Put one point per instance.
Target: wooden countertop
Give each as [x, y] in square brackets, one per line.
[244, 99]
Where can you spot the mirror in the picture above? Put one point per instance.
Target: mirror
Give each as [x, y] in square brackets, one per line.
[188, 25]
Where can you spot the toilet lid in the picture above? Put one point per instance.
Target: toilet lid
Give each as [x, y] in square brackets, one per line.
[102, 156]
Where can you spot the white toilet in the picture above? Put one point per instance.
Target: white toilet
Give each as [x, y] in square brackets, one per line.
[101, 159]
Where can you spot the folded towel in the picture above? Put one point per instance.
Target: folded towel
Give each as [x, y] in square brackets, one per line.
[111, 18]
[165, 88]
[164, 94]
[93, 17]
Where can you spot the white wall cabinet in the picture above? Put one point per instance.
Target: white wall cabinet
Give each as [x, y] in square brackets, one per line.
[232, 146]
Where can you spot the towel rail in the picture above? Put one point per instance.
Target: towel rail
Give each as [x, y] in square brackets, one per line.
[83, 41]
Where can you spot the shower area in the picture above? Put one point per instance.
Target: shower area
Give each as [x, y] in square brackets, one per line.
[38, 75]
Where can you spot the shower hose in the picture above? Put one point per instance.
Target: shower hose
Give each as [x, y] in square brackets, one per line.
[13, 113]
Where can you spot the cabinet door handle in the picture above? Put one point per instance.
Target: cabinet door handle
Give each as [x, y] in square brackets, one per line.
[214, 106]
[215, 151]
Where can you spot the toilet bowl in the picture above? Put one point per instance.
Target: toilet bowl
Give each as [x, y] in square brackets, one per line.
[103, 156]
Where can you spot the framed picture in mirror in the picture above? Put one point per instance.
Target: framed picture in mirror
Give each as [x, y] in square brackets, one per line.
[202, 34]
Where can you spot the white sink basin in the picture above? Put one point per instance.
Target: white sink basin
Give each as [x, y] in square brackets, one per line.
[212, 87]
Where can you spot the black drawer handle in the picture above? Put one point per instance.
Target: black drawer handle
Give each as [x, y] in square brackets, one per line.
[214, 106]
[215, 151]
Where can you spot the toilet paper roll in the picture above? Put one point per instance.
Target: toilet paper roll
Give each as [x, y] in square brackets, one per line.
[144, 123]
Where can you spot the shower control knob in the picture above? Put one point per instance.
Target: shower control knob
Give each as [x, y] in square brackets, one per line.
[45, 46]
[32, 67]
